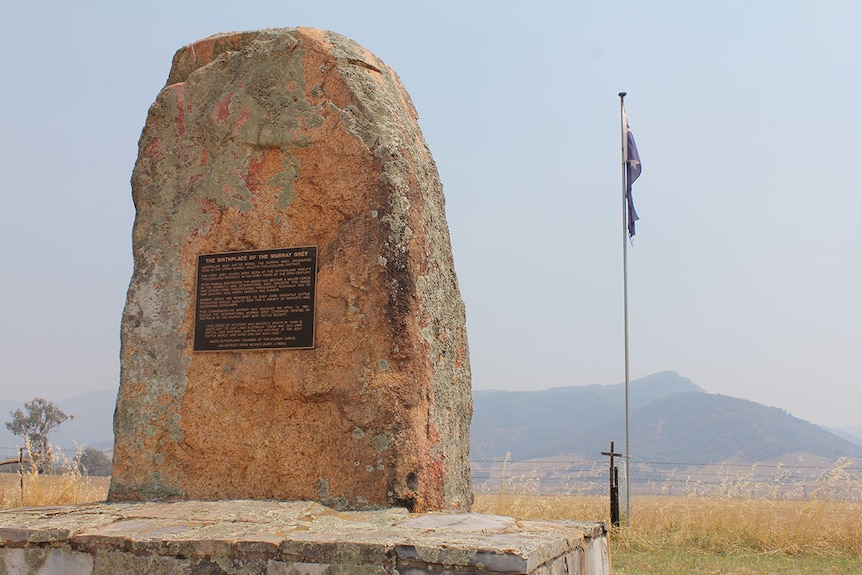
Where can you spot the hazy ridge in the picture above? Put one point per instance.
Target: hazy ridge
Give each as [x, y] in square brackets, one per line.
[671, 418]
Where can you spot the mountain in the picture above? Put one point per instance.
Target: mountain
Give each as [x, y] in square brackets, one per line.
[671, 419]
[851, 434]
[642, 391]
[562, 420]
[706, 427]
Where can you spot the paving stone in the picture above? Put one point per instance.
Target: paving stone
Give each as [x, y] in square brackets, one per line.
[300, 538]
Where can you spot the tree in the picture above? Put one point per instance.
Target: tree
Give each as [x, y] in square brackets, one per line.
[38, 419]
[95, 462]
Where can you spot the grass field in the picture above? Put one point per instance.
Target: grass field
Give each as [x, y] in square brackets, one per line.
[712, 535]
[63, 489]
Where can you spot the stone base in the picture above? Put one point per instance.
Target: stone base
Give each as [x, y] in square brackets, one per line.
[289, 538]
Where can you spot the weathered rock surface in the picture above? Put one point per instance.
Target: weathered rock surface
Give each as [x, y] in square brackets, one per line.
[283, 138]
[297, 538]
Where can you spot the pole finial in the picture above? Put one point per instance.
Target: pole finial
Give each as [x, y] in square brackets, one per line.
[622, 95]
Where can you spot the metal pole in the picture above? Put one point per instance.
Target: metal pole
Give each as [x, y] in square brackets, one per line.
[623, 141]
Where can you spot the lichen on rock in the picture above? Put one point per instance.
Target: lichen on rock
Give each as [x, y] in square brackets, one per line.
[272, 139]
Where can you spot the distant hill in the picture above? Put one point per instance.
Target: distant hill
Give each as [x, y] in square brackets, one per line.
[851, 434]
[671, 419]
[706, 427]
[641, 391]
[92, 425]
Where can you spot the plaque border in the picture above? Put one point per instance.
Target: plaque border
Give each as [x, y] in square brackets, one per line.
[258, 349]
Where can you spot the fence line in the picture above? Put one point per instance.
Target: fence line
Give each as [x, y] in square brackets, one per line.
[600, 462]
[841, 479]
[9, 449]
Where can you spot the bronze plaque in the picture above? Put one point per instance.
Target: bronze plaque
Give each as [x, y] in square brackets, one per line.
[256, 300]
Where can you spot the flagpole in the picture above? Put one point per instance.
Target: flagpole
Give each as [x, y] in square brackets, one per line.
[624, 147]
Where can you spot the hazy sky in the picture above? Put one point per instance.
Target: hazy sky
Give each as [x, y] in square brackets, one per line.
[745, 273]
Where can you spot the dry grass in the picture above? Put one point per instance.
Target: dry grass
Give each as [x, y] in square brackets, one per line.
[723, 525]
[719, 530]
[39, 490]
[715, 535]
[828, 522]
[66, 485]
[712, 524]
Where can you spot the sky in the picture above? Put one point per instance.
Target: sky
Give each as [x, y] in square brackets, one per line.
[744, 275]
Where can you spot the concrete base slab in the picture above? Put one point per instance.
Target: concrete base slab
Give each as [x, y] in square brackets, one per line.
[289, 538]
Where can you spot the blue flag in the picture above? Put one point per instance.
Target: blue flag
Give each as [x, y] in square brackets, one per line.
[633, 170]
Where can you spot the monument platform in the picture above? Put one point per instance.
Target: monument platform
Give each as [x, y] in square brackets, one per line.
[289, 538]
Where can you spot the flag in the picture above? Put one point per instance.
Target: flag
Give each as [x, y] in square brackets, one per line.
[633, 170]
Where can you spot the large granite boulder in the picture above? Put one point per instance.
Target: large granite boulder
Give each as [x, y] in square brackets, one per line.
[275, 139]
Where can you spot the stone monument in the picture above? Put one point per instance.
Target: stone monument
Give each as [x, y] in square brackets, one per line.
[293, 329]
